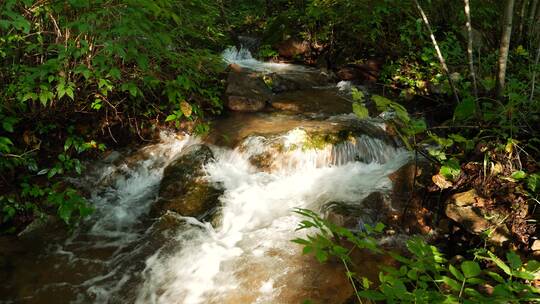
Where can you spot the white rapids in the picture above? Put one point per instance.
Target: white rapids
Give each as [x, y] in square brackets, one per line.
[121, 254]
[257, 219]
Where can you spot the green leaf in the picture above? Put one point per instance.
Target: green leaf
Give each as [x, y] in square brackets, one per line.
[8, 123]
[500, 263]
[514, 260]
[470, 269]
[450, 169]
[5, 144]
[360, 110]
[416, 126]
[533, 182]
[451, 283]
[321, 256]
[170, 118]
[357, 95]
[519, 175]
[465, 109]
[372, 295]
[455, 272]
[64, 212]
[495, 276]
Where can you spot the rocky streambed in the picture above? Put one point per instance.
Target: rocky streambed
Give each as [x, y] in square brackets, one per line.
[209, 220]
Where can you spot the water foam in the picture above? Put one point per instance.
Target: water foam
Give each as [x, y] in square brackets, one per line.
[256, 219]
[243, 58]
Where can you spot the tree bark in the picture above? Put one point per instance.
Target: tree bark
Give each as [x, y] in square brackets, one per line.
[438, 50]
[532, 15]
[535, 68]
[505, 46]
[470, 47]
[522, 19]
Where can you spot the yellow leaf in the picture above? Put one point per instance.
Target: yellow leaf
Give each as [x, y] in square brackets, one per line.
[186, 108]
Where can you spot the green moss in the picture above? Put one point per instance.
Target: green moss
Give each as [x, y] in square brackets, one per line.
[319, 141]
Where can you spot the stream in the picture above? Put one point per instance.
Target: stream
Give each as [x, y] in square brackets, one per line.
[304, 150]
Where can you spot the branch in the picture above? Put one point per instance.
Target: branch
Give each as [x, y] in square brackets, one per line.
[439, 53]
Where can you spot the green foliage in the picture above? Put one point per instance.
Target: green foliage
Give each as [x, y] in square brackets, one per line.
[424, 275]
[72, 70]
[396, 115]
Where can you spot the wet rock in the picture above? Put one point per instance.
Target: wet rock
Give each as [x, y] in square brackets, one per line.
[403, 180]
[245, 104]
[292, 47]
[292, 81]
[246, 91]
[367, 72]
[373, 209]
[320, 101]
[39, 226]
[184, 188]
[235, 68]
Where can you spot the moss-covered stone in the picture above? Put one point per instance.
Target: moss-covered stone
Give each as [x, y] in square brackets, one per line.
[319, 141]
[184, 188]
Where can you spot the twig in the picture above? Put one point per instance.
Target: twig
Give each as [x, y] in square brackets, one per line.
[438, 50]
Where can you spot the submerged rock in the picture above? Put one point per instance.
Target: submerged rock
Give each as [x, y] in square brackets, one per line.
[184, 188]
[246, 91]
[317, 101]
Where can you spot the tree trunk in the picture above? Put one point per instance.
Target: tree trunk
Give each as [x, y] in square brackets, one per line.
[522, 19]
[532, 15]
[438, 50]
[470, 47]
[505, 46]
[535, 68]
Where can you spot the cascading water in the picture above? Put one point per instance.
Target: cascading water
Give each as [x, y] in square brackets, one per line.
[243, 58]
[244, 255]
[257, 219]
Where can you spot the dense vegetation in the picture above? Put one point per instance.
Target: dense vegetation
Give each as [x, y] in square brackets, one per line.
[78, 77]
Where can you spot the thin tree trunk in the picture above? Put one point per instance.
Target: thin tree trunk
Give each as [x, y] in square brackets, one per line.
[505, 46]
[535, 68]
[470, 47]
[532, 14]
[438, 50]
[522, 18]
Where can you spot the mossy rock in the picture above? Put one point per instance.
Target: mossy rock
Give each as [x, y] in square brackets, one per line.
[184, 188]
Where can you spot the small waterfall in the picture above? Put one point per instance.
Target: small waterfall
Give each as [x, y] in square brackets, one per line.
[293, 151]
[247, 257]
[244, 58]
[123, 255]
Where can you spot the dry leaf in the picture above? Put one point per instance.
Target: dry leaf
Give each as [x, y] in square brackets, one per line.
[441, 182]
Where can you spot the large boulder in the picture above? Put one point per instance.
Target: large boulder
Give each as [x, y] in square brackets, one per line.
[184, 188]
[246, 91]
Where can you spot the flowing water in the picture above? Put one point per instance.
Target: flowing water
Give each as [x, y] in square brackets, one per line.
[124, 255]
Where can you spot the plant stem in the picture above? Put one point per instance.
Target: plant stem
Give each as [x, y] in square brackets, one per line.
[352, 281]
